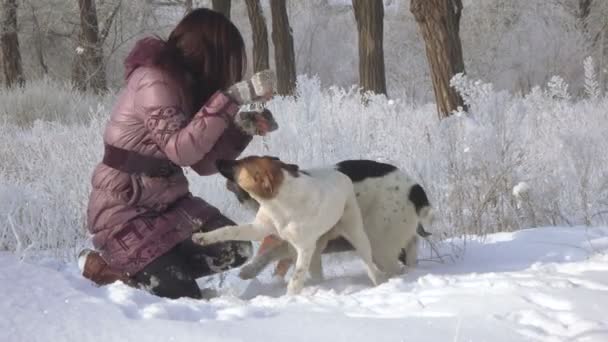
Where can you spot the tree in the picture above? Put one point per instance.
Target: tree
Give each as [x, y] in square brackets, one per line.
[439, 24]
[259, 35]
[9, 41]
[222, 6]
[284, 56]
[584, 8]
[89, 67]
[38, 41]
[370, 16]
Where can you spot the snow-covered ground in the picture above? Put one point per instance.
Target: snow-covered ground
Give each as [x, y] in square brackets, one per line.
[544, 284]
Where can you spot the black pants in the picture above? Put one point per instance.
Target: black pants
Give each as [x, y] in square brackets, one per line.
[174, 274]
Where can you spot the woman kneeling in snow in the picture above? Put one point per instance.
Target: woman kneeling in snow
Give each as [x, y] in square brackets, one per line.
[179, 108]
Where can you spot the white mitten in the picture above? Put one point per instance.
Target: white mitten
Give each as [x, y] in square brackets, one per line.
[259, 87]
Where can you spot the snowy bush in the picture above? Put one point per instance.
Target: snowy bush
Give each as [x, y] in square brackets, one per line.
[48, 101]
[510, 162]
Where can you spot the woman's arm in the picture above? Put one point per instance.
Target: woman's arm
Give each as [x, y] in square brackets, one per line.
[185, 142]
[229, 146]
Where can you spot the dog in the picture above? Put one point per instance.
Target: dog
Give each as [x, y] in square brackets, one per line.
[304, 208]
[394, 209]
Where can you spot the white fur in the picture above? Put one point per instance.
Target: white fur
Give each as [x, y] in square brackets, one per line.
[390, 221]
[303, 211]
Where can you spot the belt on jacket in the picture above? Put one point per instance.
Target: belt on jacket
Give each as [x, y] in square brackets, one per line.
[136, 163]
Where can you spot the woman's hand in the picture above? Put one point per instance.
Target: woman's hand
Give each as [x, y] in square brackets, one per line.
[259, 87]
[256, 123]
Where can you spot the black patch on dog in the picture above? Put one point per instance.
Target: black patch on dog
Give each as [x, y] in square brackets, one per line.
[292, 169]
[423, 233]
[403, 256]
[360, 169]
[418, 198]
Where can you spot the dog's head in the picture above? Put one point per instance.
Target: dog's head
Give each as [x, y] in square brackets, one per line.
[242, 196]
[255, 176]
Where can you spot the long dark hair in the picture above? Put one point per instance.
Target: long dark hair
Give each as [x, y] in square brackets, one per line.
[209, 48]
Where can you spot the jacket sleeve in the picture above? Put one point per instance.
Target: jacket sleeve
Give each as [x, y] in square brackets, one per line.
[229, 146]
[185, 142]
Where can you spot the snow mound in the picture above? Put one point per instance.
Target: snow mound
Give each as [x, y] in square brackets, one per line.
[545, 284]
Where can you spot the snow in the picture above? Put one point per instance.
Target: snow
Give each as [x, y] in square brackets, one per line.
[543, 284]
[520, 189]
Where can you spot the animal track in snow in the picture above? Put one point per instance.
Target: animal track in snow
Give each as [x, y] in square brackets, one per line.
[549, 302]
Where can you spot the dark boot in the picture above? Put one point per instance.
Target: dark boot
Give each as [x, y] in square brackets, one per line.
[93, 267]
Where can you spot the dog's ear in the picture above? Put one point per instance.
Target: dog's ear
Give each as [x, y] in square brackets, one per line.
[292, 169]
[267, 183]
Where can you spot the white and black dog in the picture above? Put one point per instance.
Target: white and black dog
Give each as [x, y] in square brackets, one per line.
[305, 208]
[394, 209]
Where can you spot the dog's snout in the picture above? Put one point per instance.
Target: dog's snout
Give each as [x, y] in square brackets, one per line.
[226, 168]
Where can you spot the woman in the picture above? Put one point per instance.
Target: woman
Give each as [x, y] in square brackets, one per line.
[178, 108]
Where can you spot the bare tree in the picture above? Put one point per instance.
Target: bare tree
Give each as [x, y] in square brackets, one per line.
[9, 41]
[259, 35]
[89, 67]
[222, 6]
[38, 41]
[370, 25]
[1, 73]
[284, 56]
[439, 24]
[584, 8]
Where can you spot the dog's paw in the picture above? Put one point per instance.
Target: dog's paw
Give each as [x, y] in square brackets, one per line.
[209, 293]
[248, 271]
[378, 277]
[294, 288]
[200, 239]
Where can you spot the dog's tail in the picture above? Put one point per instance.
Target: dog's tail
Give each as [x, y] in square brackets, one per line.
[423, 209]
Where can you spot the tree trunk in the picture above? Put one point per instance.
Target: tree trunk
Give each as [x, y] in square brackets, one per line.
[9, 41]
[259, 34]
[222, 6]
[284, 56]
[584, 8]
[89, 68]
[370, 16]
[439, 23]
[1, 66]
[38, 41]
[79, 72]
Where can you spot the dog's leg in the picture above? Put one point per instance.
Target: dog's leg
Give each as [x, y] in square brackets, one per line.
[260, 261]
[316, 265]
[246, 232]
[411, 252]
[388, 263]
[351, 227]
[305, 252]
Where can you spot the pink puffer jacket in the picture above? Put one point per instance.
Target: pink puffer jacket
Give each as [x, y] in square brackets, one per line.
[136, 218]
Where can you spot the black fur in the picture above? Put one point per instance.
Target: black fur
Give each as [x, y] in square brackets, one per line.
[418, 198]
[358, 170]
[226, 168]
[423, 233]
